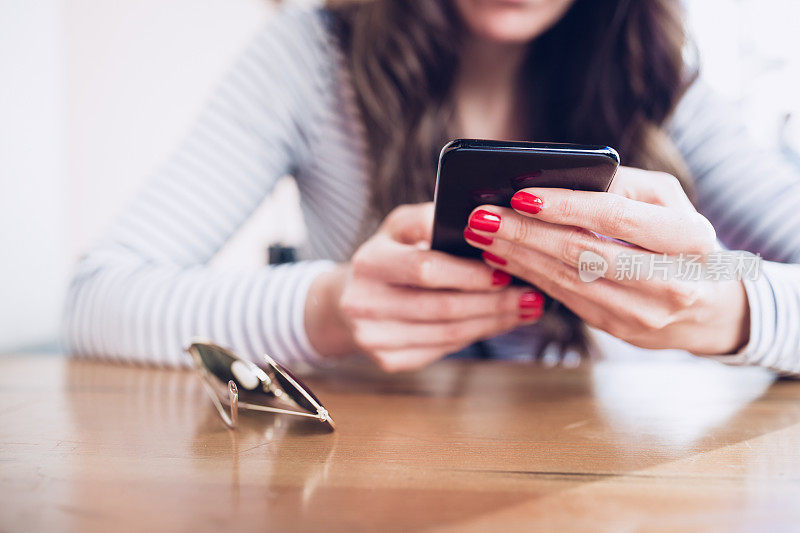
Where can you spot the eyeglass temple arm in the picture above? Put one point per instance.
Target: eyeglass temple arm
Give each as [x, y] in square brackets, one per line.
[233, 396]
[256, 407]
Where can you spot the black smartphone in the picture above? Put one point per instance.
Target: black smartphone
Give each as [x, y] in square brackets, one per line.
[476, 172]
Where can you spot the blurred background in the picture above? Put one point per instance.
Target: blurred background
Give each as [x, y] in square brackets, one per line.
[94, 94]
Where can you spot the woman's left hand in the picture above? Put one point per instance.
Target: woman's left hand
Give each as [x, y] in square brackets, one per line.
[553, 237]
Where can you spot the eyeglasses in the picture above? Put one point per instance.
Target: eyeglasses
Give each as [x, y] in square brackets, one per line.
[217, 366]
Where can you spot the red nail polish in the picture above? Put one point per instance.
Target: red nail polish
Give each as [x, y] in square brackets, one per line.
[500, 278]
[484, 221]
[530, 314]
[530, 301]
[470, 235]
[527, 202]
[493, 258]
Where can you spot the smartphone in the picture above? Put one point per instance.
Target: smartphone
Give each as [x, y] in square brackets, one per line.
[476, 172]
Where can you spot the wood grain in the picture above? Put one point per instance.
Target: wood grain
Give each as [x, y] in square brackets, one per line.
[467, 446]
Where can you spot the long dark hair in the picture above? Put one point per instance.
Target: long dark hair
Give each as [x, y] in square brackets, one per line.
[609, 72]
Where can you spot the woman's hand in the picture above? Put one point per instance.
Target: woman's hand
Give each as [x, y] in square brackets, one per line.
[550, 233]
[405, 305]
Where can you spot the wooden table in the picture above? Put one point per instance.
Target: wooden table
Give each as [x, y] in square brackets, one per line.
[462, 446]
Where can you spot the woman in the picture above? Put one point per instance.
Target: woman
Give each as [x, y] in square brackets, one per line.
[355, 100]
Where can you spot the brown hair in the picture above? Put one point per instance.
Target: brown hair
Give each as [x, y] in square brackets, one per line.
[609, 72]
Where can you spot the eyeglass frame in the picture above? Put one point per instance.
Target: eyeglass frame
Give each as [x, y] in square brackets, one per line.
[230, 420]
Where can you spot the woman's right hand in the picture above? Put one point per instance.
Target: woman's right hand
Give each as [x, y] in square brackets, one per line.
[405, 305]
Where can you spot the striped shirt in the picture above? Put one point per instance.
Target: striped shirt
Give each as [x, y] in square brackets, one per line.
[287, 107]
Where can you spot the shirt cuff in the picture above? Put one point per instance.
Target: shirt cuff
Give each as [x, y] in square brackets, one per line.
[760, 302]
[285, 317]
[769, 298]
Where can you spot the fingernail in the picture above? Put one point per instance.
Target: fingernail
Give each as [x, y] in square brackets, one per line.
[484, 221]
[526, 202]
[500, 278]
[531, 314]
[480, 239]
[493, 258]
[531, 301]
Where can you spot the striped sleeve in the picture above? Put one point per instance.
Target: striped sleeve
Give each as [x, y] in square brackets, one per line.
[751, 195]
[147, 288]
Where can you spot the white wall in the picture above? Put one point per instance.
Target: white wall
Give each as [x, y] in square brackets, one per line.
[749, 54]
[32, 251]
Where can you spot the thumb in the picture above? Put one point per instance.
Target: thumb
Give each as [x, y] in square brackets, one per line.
[658, 188]
[410, 223]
